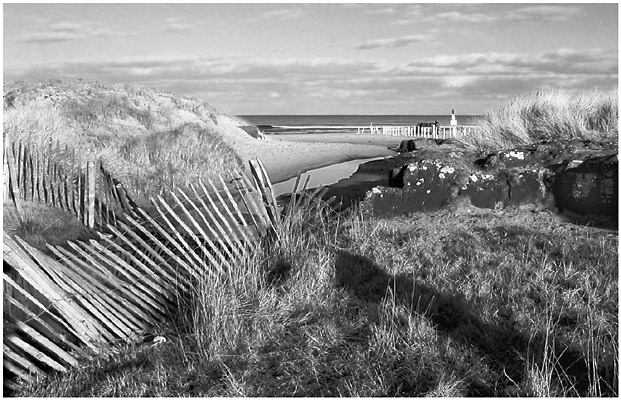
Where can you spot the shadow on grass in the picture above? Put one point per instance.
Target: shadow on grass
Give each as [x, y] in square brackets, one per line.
[504, 348]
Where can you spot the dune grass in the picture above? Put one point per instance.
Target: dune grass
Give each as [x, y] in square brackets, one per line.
[147, 139]
[546, 115]
[442, 304]
[446, 304]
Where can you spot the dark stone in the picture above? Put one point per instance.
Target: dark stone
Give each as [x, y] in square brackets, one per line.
[589, 188]
[583, 185]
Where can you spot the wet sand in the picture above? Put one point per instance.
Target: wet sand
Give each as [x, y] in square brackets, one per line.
[285, 155]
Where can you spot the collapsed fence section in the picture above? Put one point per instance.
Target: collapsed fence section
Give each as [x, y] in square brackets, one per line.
[66, 300]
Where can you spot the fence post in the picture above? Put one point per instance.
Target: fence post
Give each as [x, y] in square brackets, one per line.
[12, 178]
[91, 180]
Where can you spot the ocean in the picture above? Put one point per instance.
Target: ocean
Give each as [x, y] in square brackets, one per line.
[312, 123]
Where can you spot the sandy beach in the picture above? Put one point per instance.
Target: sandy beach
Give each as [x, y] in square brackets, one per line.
[285, 155]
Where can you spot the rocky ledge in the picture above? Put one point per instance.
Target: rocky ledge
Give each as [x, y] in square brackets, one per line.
[576, 175]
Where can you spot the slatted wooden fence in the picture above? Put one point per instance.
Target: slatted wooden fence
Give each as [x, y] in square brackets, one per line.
[51, 174]
[431, 132]
[87, 295]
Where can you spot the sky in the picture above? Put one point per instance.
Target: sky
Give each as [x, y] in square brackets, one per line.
[320, 58]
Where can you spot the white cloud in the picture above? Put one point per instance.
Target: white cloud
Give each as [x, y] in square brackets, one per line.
[391, 42]
[68, 31]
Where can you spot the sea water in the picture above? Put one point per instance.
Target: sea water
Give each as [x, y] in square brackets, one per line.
[309, 121]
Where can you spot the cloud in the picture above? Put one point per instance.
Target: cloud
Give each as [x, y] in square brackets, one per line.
[540, 13]
[316, 83]
[176, 25]
[68, 31]
[283, 14]
[391, 42]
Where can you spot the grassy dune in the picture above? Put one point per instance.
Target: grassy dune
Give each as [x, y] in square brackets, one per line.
[453, 303]
[148, 139]
[549, 114]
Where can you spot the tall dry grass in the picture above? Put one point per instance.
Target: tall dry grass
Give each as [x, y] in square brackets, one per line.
[546, 115]
[444, 305]
[148, 139]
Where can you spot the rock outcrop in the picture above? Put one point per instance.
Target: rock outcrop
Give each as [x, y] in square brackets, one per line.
[580, 176]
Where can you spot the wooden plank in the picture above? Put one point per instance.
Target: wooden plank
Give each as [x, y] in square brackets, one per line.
[38, 173]
[63, 337]
[99, 297]
[35, 353]
[127, 298]
[206, 210]
[264, 184]
[69, 309]
[34, 317]
[244, 228]
[252, 208]
[150, 292]
[191, 266]
[213, 209]
[223, 260]
[84, 300]
[84, 275]
[173, 275]
[48, 344]
[13, 180]
[12, 359]
[199, 263]
[31, 174]
[91, 180]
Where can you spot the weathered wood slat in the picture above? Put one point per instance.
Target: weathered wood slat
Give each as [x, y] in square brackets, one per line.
[214, 244]
[173, 274]
[108, 299]
[44, 310]
[255, 210]
[82, 302]
[185, 250]
[151, 293]
[69, 309]
[214, 213]
[48, 344]
[126, 296]
[223, 260]
[12, 360]
[100, 296]
[244, 228]
[35, 353]
[32, 316]
[206, 213]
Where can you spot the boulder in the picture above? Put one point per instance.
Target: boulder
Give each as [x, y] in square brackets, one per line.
[580, 176]
[416, 144]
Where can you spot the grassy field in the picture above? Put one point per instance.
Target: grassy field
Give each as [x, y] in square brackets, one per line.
[460, 302]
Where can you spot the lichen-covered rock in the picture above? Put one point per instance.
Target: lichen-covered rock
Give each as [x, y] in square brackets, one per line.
[591, 187]
[579, 176]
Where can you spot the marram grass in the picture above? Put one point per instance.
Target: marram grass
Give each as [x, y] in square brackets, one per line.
[440, 304]
[547, 115]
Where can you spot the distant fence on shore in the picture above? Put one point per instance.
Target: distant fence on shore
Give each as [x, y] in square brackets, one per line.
[431, 131]
[61, 302]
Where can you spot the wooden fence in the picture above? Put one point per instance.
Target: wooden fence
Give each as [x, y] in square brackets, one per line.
[51, 174]
[431, 132]
[82, 296]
